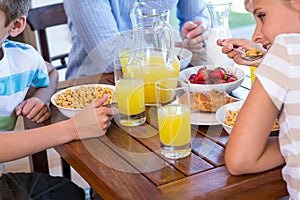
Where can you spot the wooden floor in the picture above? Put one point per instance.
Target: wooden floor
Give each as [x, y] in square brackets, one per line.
[22, 165]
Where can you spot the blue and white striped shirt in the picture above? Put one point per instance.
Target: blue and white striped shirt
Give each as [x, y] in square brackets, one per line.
[20, 68]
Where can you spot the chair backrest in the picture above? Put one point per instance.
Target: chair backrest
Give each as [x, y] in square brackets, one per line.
[41, 18]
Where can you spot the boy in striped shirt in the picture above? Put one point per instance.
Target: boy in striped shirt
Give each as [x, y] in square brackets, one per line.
[22, 72]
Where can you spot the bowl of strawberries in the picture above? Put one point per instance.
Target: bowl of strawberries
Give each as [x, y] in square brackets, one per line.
[205, 78]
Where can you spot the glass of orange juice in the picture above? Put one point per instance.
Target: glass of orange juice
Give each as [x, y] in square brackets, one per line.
[173, 98]
[130, 90]
[252, 70]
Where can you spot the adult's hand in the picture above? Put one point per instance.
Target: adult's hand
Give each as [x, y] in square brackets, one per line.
[195, 32]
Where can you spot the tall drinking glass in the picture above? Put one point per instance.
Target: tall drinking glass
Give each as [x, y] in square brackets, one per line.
[129, 82]
[252, 70]
[174, 125]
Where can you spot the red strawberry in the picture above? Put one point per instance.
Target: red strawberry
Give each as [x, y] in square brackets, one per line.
[231, 79]
[192, 78]
[215, 75]
[223, 73]
[201, 74]
[201, 82]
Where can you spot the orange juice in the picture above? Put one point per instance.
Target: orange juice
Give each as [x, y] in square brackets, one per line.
[130, 95]
[157, 60]
[155, 69]
[252, 69]
[174, 125]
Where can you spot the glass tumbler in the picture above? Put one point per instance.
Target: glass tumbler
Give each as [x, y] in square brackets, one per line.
[129, 82]
[173, 98]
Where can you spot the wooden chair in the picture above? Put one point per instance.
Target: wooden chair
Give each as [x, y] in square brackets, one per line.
[41, 18]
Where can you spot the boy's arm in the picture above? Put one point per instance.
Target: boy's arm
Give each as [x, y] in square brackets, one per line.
[92, 121]
[36, 105]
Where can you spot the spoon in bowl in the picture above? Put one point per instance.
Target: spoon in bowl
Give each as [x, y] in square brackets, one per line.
[184, 44]
[251, 55]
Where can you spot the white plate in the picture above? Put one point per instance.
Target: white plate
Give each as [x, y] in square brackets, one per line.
[204, 118]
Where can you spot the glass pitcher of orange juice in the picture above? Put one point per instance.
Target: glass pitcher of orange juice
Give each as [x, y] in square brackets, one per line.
[156, 46]
[153, 39]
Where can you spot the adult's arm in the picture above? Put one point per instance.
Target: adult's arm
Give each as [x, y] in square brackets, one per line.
[194, 21]
[93, 21]
[191, 10]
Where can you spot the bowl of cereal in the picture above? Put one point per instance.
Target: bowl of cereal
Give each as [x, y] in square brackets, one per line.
[227, 114]
[72, 100]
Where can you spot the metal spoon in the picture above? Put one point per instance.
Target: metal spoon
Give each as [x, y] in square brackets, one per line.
[184, 44]
[187, 41]
[249, 58]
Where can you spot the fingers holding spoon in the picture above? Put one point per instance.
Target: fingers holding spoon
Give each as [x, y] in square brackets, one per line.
[250, 55]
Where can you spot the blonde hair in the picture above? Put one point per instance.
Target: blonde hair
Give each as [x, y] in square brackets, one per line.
[14, 9]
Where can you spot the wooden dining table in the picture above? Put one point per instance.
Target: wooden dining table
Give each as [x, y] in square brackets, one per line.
[126, 162]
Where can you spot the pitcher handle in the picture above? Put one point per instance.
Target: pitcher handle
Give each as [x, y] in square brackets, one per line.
[167, 33]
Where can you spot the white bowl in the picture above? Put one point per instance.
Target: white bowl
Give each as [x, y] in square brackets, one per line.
[221, 113]
[228, 87]
[71, 112]
[185, 57]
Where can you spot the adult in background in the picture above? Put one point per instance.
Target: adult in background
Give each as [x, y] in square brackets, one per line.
[92, 22]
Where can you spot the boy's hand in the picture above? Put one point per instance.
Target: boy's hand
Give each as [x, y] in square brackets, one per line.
[94, 120]
[34, 109]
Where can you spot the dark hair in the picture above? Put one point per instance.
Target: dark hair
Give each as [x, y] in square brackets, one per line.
[14, 9]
